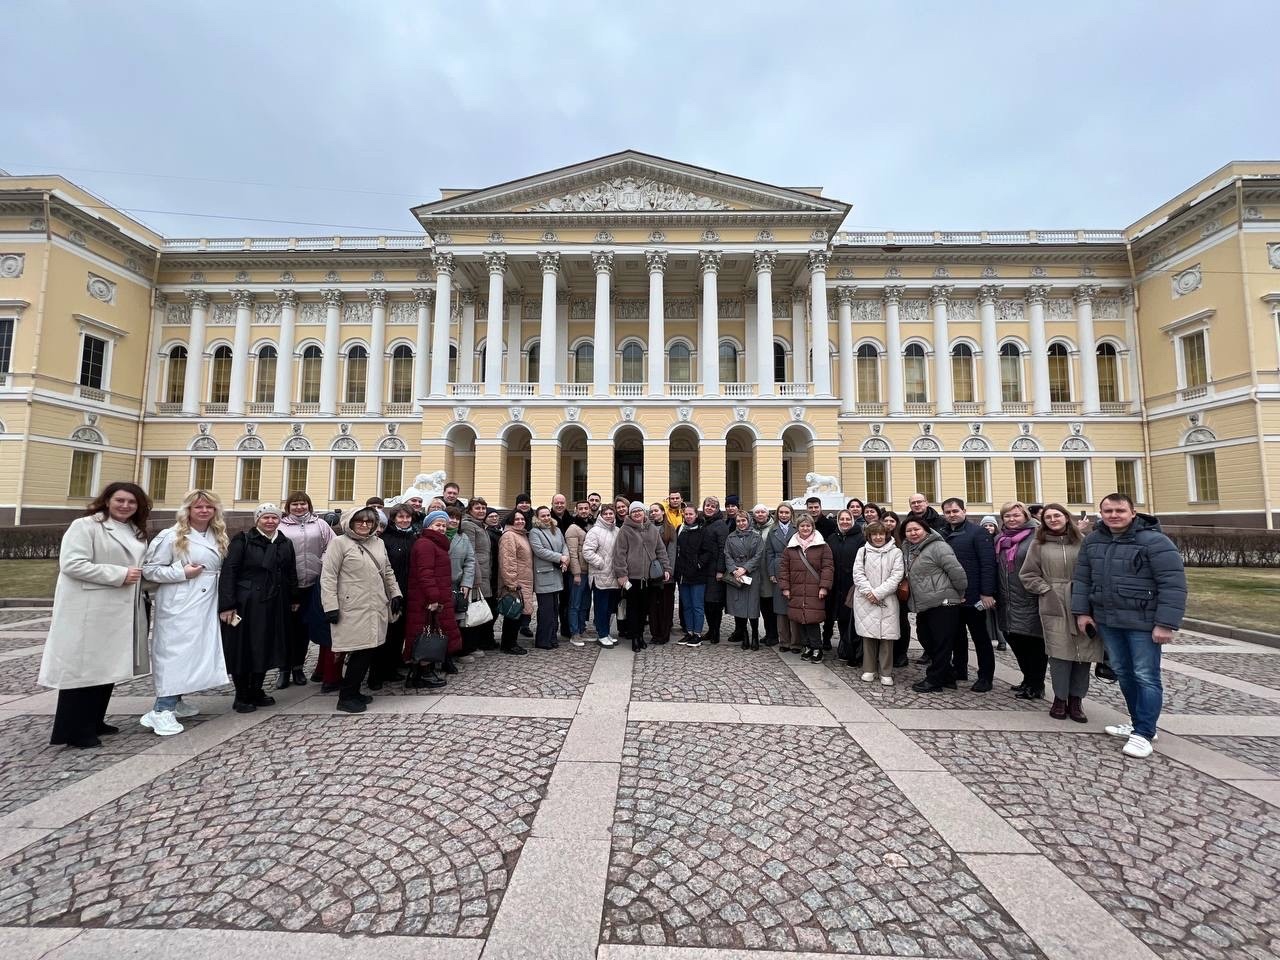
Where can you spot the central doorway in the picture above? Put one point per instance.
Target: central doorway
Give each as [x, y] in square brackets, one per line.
[628, 464]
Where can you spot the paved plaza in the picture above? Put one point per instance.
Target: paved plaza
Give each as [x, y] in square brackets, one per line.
[679, 804]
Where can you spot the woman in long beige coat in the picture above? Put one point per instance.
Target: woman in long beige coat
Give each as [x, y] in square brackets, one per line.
[515, 575]
[98, 636]
[359, 594]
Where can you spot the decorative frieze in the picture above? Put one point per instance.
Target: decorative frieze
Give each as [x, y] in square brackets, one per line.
[1058, 308]
[404, 312]
[11, 265]
[311, 312]
[1010, 310]
[177, 315]
[267, 313]
[1107, 308]
[730, 307]
[357, 312]
[914, 310]
[781, 308]
[679, 308]
[631, 309]
[224, 314]
[582, 309]
[628, 194]
[1186, 281]
[961, 311]
[868, 311]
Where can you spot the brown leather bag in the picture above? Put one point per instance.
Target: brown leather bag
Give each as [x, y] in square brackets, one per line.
[904, 590]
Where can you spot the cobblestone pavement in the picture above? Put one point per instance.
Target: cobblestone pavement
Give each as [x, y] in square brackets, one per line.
[10, 643]
[18, 676]
[1260, 752]
[1184, 694]
[19, 615]
[561, 673]
[1187, 862]
[901, 697]
[386, 825]
[718, 673]
[785, 839]
[1260, 668]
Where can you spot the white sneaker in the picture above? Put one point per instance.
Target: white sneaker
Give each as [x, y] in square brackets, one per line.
[886, 681]
[1137, 746]
[477, 653]
[184, 710]
[163, 723]
[1124, 730]
[608, 641]
[868, 678]
[577, 640]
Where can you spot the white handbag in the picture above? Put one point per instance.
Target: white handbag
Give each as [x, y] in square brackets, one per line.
[478, 612]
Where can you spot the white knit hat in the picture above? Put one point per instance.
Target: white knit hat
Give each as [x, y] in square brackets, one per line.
[637, 505]
[266, 510]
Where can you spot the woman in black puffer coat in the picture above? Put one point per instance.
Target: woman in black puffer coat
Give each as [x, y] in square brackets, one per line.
[398, 538]
[845, 544]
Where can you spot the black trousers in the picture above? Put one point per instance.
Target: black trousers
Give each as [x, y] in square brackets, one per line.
[358, 663]
[1031, 657]
[770, 621]
[976, 622]
[248, 686]
[80, 711]
[299, 638]
[637, 599]
[937, 629]
[901, 645]
[714, 613]
[850, 648]
[510, 632]
[829, 623]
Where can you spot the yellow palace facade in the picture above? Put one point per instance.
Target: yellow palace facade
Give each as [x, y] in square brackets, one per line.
[634, 324]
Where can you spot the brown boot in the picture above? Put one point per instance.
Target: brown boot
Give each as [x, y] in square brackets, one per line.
[1059, 709]
[1075, 709]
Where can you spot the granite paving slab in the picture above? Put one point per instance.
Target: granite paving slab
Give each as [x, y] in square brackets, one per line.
[1260, 752]
[562, 673]
[785, 838]
[901, 697]
[379, 824]
[10, 643]
[1187, 862]
[19, 614]
[1260, 668]
[717, 673]
[1184, 694]
[18, 676]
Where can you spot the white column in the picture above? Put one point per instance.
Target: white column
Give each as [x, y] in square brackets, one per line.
[992, 401]
[938, 298]
[562, 336]
[765, 260]
[709, 338]
[440, 325]
[602, 335]
[848, 393]
[284, 364]
[377, 352]
[424, 299]
[157, 368]
[467, 338]
[515, 336]
[240, 352]
[657, 262]
[550, 263]
[799, 339]
[1040, 397]
[751, 342]
[1091, 402]
[497, 264]
[332, 343]
[819, 337]
[893, 348]
[1130, 358]
[193, 383]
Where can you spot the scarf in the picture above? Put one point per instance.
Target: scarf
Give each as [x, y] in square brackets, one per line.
[805, 542]
[1007, 545]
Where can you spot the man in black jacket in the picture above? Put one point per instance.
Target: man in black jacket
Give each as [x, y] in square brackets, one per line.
[695, 565]
[921, 510]
[976, 553]
[827, 527]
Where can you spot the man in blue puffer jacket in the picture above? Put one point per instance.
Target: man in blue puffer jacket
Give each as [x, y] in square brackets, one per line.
[976, 553]
[1131, 587]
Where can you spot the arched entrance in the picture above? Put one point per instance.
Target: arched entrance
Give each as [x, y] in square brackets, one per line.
[683, 448]
[797, 460]
[460, 465]
[572, 474]
[518, 464]
[739, 465]
[628, 463]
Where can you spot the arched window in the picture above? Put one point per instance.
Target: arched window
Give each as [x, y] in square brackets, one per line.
[220, 376]
[1108, 373]
[402, 374]
[453, 364]
[584, 362]
[357, 374]
[264, 376]
[962, 373]
[915, 374]
[1010, 373]
[175, 375]
[533, 364]
[309, 382]
[1059, 375]
[632, 363]
[868, 370]
[728, 363]
[779, 363]
[679, 369]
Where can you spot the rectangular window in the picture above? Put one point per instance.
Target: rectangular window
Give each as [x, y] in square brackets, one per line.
[1204, 478]
[1025, 481]
[392, 479]
[1127, 478]
[202, 473]
[309, 388]
[962, 376]
[358, 376]
[344, 480]
[175, 375]
[1011, 377]
[1195, 362]
[295, 475]
[83, 465]
[728, 364]
[93, 362]
[1059, 376]
[927, 479]
[1108, 375]
[6, 345]
[265, 384]
[878, 481]
[733, 476]
[868, 371]
[157, 479]
[250, 479]
[916, 381]
[1077, 481]
[402, 376]
[579, 485]
[975, 481]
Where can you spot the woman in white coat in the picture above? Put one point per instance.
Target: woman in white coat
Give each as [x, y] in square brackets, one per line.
[877, 571]
[186, 641]
[597, 551]
[98, 636]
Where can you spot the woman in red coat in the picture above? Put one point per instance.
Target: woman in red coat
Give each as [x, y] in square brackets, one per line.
[430, 595]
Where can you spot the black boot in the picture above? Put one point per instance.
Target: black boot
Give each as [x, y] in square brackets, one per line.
[283, 680]
[299, 677]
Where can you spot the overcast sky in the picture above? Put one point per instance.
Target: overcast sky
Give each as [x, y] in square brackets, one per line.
[338, 117]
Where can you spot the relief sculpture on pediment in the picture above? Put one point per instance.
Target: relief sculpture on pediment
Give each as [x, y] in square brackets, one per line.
[628, 194]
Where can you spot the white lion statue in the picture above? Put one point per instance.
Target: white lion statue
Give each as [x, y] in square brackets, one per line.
[817, 484]
[425, 485]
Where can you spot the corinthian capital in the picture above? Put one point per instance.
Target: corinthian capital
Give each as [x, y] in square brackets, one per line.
[444, 264]
[1038, 293]
[989, 292]
[287, 298]
[424, 296]
[159, 300]
[819, 259]
[709, 260]
[199, 300]
[765, 260]
[331, 298]
[845, 292]
[602, 261]
[657, 260]
[377, 297]
[940, 293]
[1086, 292]
[894, 294]
[243, 299]
[496, 262]
[549, 261]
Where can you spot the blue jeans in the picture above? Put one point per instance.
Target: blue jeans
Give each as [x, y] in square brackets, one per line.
[606, 602]
[166, 703]
[692, 614]
[579, 605]
[1135, 658]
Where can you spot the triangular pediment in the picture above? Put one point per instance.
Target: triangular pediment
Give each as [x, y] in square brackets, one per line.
[630, 183]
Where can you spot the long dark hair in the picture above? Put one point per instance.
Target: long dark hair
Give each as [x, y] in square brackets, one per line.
[1071, 534]
[896, 534]
[140, 517]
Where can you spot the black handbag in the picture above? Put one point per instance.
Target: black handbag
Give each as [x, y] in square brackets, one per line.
[511, 606]
[431, 646]
[459, 601]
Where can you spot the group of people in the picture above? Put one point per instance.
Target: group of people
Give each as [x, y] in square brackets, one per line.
[418, 587]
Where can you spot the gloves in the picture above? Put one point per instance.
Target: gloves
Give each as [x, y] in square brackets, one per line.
[397, 606]
[333, 616]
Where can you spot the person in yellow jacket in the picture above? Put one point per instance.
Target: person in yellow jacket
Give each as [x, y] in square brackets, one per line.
[675, 508]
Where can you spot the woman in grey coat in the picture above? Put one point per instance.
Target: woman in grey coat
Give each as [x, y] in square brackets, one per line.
[789, 639]
[550, 561]
[937, 582]
[472, 528]
[1017, 608]
[743, 555]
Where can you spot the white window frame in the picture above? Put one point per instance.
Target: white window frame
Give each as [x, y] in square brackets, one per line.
[240, 462]
[1139, 487]
[888, 480]
[13, 345]
[1073, 392]
[986, 479]
[191, 478]
[212, 351]
[1088, 477]
[95, 475]
[284, 475]
[146, 474]
[333, 479]
[937, 476]
[1035, 468]
[1186, 327]
[109, 334]
[1193, 487]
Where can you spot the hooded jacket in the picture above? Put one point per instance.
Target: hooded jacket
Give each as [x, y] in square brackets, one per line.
[804, 605]
[430, 581]
[515, 566]
[880, 570]
[638, 545]
[575, 535]
[976, 552]
[310, 537]
[934, 573]
[1047, 573]
[1133, 580]
[356, 579]
[482, 546]
[597, 551]
[717, 533]
[695, 563]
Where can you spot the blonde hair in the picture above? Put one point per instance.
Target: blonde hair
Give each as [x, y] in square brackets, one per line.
[1015, 505]
[182, 522]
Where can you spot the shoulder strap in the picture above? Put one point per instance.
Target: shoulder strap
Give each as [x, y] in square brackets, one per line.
[808, 566]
